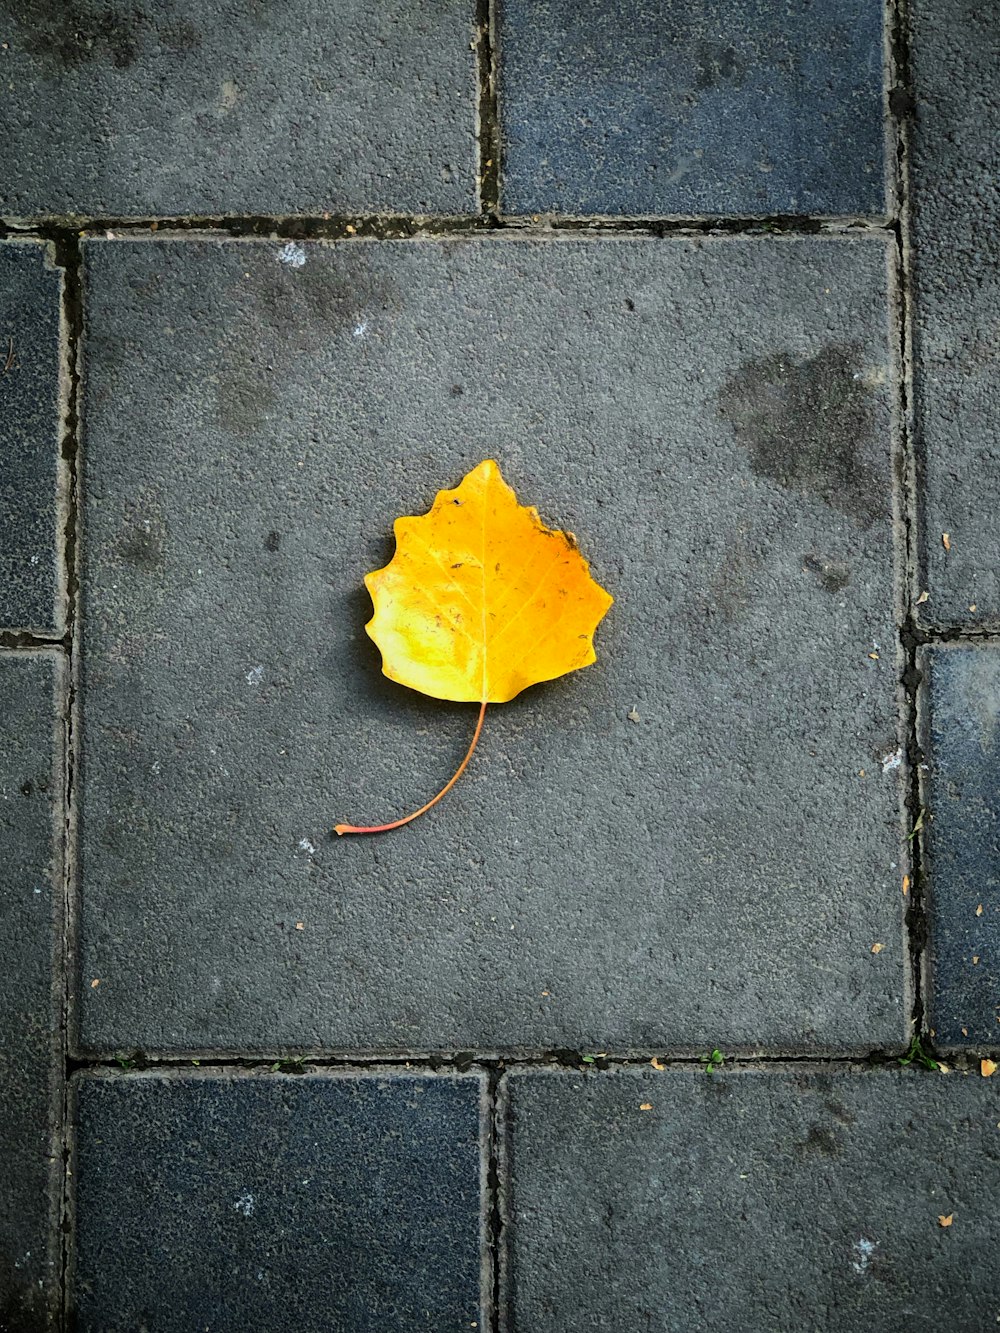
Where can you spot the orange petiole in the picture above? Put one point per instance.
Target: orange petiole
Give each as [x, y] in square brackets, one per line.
[341, 829]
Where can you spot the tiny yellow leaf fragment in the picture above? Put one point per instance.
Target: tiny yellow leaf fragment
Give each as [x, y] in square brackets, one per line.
[657, 1064]
[877, 948]
[979, 910]
[946, 540]
[945, 1220]
[95, 983]
[906, 885]
[645, 1106]
[987, 1068]
[924, 596]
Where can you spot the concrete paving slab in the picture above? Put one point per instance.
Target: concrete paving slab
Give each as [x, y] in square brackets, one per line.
[956, 164]
[312, 1202]
[31, 413]
[742, 107]
[779, 1199]
[696, 840]
[961, 712]
[141, 108]
[31, 914]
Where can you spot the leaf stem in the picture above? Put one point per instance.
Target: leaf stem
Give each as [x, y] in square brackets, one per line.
[341, 829]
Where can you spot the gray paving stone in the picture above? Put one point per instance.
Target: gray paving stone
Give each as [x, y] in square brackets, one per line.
[310, 1202]
[660, 106]
[956, 163]
[30, 427]
[146, 108]
[962, 709]
[30, 997]
[712, 418]
[784, 1201]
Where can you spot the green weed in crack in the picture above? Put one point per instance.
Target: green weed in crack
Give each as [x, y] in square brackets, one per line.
[916, 1055]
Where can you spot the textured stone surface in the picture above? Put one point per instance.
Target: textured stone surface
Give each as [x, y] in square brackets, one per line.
[961, 715]
[713, 420]
[956, 165]
[30, 917]
[768, 1200]
[30, 423]
[141, 107]
[316, 1202]
[742, 107]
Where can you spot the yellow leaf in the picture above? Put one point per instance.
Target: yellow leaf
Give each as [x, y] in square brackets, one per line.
[479, 601]
[987, 1068]
[945, 1220]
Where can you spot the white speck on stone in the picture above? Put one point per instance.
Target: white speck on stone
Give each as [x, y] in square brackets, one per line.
[892, 761]
[292, 254]
[361, 329]
[255, 675]
[35, 559]
[36, 890]
[245, 1204]
[306, 846]
[863, 1251]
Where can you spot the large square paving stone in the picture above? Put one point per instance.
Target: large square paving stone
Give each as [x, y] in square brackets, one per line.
[31, 917]
[713, 420]
[771, 1199]
[253, 1203]
[663, 106]
[961, 719]
[174, 107]
[31, 415]
[956, 165]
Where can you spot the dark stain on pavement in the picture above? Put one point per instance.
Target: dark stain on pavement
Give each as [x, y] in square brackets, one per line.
[143, 545]
[831, 575]
[714, 63]
[809, 426]
[67, 35]
[820, 1142]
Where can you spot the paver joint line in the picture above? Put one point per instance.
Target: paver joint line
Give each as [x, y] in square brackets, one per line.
[133, 1062]
[899, 101]
[354, 226]
[489, 131]
[69, 258]
[494, 1196]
